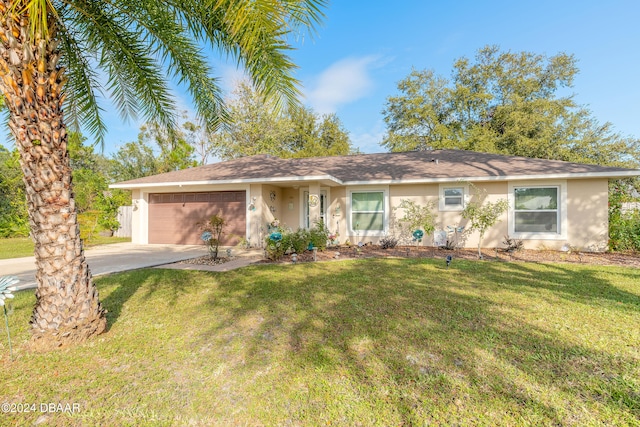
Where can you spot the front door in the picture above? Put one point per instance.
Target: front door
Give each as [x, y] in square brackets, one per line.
[323, 209]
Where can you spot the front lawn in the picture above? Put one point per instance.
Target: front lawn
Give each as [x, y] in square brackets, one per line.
[365, 342]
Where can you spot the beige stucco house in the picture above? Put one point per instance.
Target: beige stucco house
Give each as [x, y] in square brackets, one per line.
[551, 203]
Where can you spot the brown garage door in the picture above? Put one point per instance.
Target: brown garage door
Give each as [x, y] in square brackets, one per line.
[173, 217]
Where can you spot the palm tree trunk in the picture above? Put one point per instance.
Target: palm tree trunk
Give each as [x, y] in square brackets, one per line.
[67, 306]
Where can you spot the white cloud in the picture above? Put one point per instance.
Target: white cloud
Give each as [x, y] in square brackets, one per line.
[230, 77]
[343, 82]
[369, 141]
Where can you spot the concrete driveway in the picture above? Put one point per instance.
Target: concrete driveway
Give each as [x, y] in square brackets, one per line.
[108, 259]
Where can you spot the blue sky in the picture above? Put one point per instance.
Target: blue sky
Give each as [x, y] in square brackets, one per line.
[363, 48]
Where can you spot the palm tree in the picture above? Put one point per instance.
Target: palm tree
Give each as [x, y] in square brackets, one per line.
[58, 57]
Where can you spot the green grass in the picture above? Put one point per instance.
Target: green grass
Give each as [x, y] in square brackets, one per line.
[17, 247]
[366, 342]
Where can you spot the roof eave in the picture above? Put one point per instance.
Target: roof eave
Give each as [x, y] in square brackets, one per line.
[426, 180]
[579, 175]
[291, 179]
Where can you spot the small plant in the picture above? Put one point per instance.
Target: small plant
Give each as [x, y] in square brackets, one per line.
[482, 216]
[319, 235]
[243, 243]
[212, 232]
[299, 240]
[416, 218]
[388, 242]
[278, 243]
[512, 245]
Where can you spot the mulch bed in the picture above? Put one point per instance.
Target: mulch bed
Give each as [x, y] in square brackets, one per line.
[205, 260]
[374, 251]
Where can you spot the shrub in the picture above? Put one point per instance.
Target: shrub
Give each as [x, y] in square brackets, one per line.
[388, 242]
[108, 203]
[512, 245]
[624, 231]
[319, 235]
[624, 226]
[299, 240]
[278, 242]
[212, 232]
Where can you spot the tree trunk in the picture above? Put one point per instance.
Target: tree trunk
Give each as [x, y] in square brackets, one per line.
[67, 307]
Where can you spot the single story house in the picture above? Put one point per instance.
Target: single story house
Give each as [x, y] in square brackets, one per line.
[551, 203]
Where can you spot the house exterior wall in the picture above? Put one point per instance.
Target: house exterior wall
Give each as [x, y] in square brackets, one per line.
[588, 214]
[271, 201]
[430, 195]
[137, 222]
[336, 214]
[290, 207]
[254, 215]
[583, 213]
[583, 205]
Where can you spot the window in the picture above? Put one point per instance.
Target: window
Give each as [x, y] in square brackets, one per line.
[367, 211]
[452, 198]
[536, 210]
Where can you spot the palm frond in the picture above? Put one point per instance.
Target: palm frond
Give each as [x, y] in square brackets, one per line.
[138, 44]
[184, 60]
[136, 81]
[255, 34]
[82, 109]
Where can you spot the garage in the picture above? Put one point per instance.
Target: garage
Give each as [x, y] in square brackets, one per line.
[174, 217]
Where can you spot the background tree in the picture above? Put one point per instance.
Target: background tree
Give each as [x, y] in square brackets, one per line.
[197, 137]
[506, 103]
[258, 127]
[97, 205]
[157, 150]
[52, 58]
[13, 203]
[315, 136]
[90, 172]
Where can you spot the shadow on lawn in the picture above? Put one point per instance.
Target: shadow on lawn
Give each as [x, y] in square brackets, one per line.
[569, 282]
[153, 281]
[433, 338]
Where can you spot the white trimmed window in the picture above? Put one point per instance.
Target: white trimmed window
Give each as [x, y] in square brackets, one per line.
[368, 212]
[538, 211]
[452, 198]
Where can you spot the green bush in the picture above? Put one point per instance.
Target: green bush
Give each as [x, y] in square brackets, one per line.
[624, 226]
[13, 225]
[624, 231]
[300, 240]
[319, 235]
[276, 248]
[295, 241]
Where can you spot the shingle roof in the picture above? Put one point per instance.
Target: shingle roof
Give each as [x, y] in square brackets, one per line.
[414, 166]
